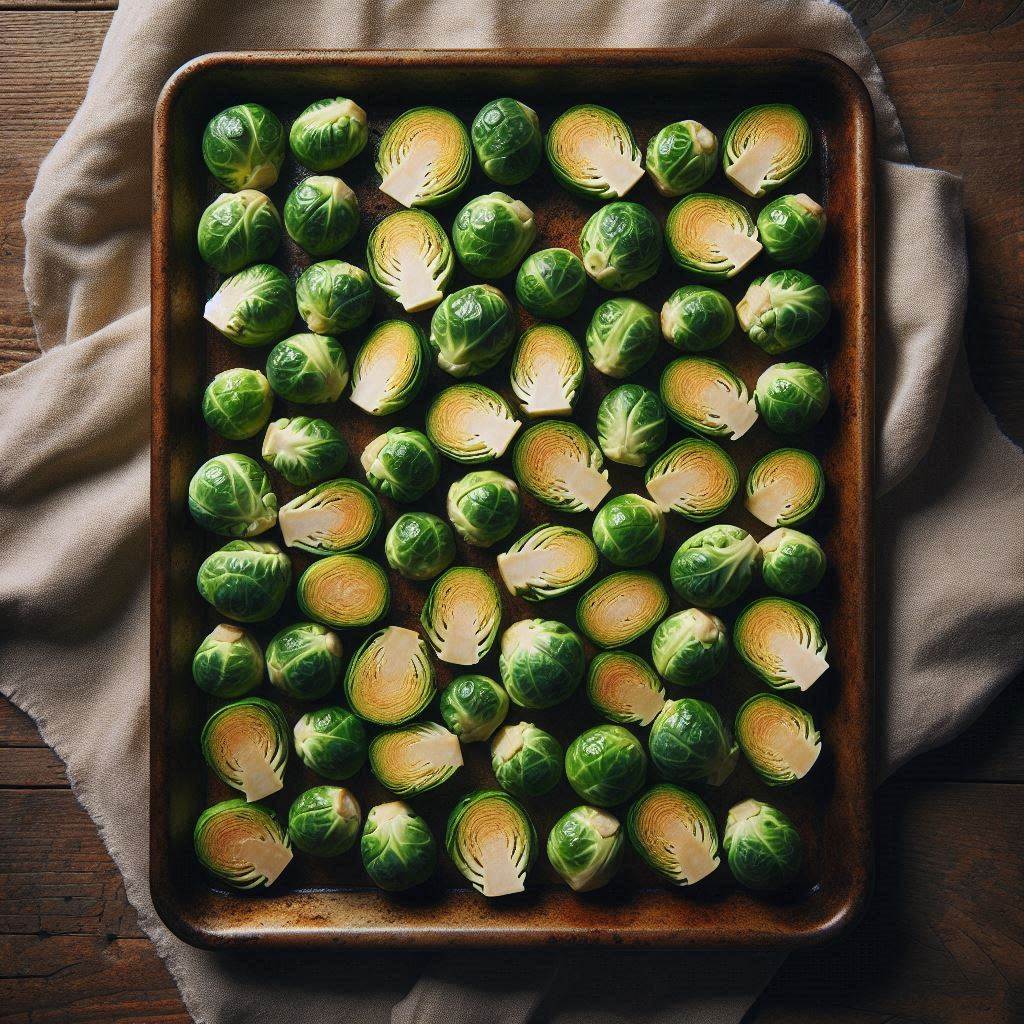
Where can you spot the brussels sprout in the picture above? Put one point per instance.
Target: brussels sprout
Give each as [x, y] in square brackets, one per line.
[551, 283]
[329, 133]
[411, 259]
[324, 821]
[606, 765]
[706, 396]
[253, 307]
[696, 318]
[305, 450]
[331, 742]
[765, 146]
[631, 424]
[492, 233]
[547, 371]
[344, 591]
[397, 847]
[334, 517]
[585, 847]
[674, 832]
[713, 567]
[390, 679]
[557, 463]
[541, 663]
[473, 707]
[624, 689]
[690, 647]
[592, 152]
[621, 246]
[547, 562]
[415, 759]
[763, 847]
[424, 157]
[783, 310]
[483, 507]
[681, 157]
[711, 236]
[791, 397]
[472, 329]
[791, 228]
[401, 464]
[527, 761]
[629, 531]
[785, 487]
[228, 663]
[242, 845]
[238, 228]
[689, 742]
[231, 495]
[695, 478]
[237, 403]
[243, 147]
[334, 296]
[321, 214]
[507, 142]
[781, 642]
[390, 368]
[471, 423]
[419, 546]
[304, 661]
[622, 336]
[246, 746]
[621, 607]
[245, 580]
[793, 562]
[779, 739]
[308, 368]
[462, 615]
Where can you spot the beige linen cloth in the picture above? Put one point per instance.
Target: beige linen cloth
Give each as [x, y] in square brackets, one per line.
[74, 478]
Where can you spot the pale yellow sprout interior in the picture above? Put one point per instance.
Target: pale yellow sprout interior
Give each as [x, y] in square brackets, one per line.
[332, 515]
[551, 557]
[676, 838]
[267, 856]
[781, 484]
[595, 149]
[411, 257]
[779, 637]
[385, 365]
[492, 845]
[463, 617]
[764, 144]
[712, 397]
[393, 673]
[420, 154]
[561, 463]
[711, 231]
[544, 372]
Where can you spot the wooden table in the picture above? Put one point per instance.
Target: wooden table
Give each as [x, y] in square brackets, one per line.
[942, 940]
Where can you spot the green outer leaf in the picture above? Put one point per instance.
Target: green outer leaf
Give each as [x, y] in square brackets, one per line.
[243, 147]
[714, 567]
[331, 741]
[245, 580]
[622, 336]
[621, 246]
[231, 495]
[397, 847]
[321, 214]
[606, 765]
[764, 848]
[689, 742]
[238, 228]
[631, 424]
[507, 141]
[551, 283]
[304, 661]
[237, 403]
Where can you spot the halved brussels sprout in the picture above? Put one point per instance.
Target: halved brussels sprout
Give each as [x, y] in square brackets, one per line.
[696, 318]
[471, 423]
[246, 746]
[690, 647]
[228, 663]
[547, 371]
[557, 463]
[492, 233]
[622, 336]
[419, 546]
[344, 591]
[506, 138]
[547, 562]
[781, 642]
[527, 761]
[238, 228]
[711, 236]
[242, 845]
[414, 759]
[462, 615]
[483, 507]
[424, 157]
[334, 296]
[321, 214]
[231, 495]
[472, 329]
[411, 259]
[631, 424]
[606, 765]
[331, 741]
[706, 396]
[237, 403]
[324, 821]
[551, 283]
[305, 450]
[791, 228]
[621, 246]
[541, 662]
[401, 464]
[779, 739]
[783, 310]
[785, 487]
[763, 847]
[629, 531]
[304, 660]
[253, 307]
[390, 679]
[593, 153]
[390, 368]
[243, 147]
[245, 580]
[713, 567]
[473, 707]
[329, 133]
[695, 478]
[765, 146]
[791, 397]
[334, 517]
[624, 689]
[681, 157]
[492, 842]
[674, 832]
[793, 562]
[621, 607]
[397, 847]
[308, 368]
[689, 742]
[585, 847]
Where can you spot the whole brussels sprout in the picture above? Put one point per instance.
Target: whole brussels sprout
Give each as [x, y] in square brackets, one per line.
[551, 283]
[243, 147]
[690, 647]
[785, 309]
[689, 741]
[321, 214]
[324, 821]
[541, 662]
[228, 663]
[253, 307]
[238, 228]
[791, 228]
[696, 318]
[419, 546]
[308, 368]
[621, 246]
[713, 567]
[332, 742]
[793, 562]
[304, 660]
[763, 846]
[401, 464]
[491, 233]
[471, 330]
[791, 397]
[622, 336]
[334, 296]
[629, 530]
[586, 846]
[527, 761]
[397, 847]
[305, 451]
[606, 765]
[631, 424]
[506, 139]
[483, 507]
[245, 580]
[473, 706]
[329, 133]
[237, 403]
[231, 495]
[681, 157]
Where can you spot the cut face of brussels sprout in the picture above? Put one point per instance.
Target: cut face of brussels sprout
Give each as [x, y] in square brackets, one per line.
[228, 663]
[781, 642]
[242, 845]
[243, 147]
[785, 487]
[331, 741]
[706, 396]
[547, 371]
[390, 679]
[401, 464]
[304, 661]
[397, 847]
[324, 821]
[471, 423]
[344, 591]
[390, 368]
[681, 157]
[334, 517]
[547, 562]
[334, 296]
[321, 214]
[492, 233]
[674, 832]
[461, 615]
[592, 152]
[778, 739]
[411, 259]
[483, 507]
[606, 765]
[713, 568]
[237, 403]
[246, 746]
[245, 580]
[541, 662]
[765, 146]
[471, 330]
[696, 318]
[308, 368]
[492, 842]
[473, 707]
[254, 307]
[629, 530]
[414, 759]
[424, 157]
[551, 283]
[695, 478]
[622, 336]
[585, 847]
[763, 847]
[238, 228]
[689, 741]
[328, 133]
[231, 495]
[631, 424]
[793, 562]
[621, 246]
[527, 761]
[624, 689]
[791, 397]
[506, 138]
[419, 546]
[786, 309]
[304, 450]
[690, 647]
[557, 463]
[791, 228]
[621, 607]
[711, 236]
